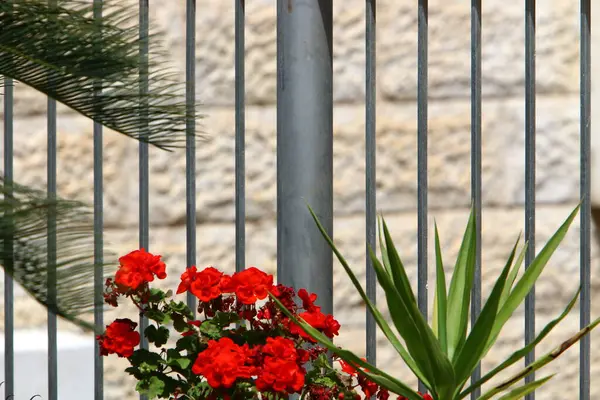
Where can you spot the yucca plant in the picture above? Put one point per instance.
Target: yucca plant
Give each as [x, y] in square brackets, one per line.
[444, 355]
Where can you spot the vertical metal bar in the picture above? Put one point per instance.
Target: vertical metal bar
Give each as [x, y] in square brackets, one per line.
[423, 17]
[370, 160]
[530, 175]
[476, 165]
[9, 355]
[305, 145]
[190, 154]
[98, 238]
[51, 256]
[51, 277]
[585, 213]
[240, 128]
[143, 151]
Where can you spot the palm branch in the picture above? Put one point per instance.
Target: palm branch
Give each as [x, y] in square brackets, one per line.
[64, 52]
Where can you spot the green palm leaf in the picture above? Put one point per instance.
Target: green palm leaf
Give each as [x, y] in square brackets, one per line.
[64, 52]
[24, 231]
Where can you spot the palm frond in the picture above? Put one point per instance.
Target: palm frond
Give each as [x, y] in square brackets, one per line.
[65, 53]
[24, 249]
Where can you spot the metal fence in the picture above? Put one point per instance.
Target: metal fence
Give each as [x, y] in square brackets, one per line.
[305, 167]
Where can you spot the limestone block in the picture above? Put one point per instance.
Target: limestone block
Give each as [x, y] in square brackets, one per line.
[502, 49]
[448, 164]
[75, 164]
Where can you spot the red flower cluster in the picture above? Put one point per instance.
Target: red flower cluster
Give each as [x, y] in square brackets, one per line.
[264, 350]
[249, 285]
[277, 365]
[120, 338]
[281, 369]
[223, 362]
[315, 318]
[139, 267]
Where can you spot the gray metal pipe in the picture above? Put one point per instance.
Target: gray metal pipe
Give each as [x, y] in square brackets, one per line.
[305, 145]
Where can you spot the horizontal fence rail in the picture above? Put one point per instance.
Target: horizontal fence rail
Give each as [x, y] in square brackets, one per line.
[305, 106]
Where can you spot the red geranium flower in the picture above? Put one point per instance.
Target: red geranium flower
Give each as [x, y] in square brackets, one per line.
[139, 267]
[186, 279]
[120, 338]
[308, 300]
[280, 371]
[223, 362]
[349, 368]
[280, 348]
[250, 285]
[325, 323]
[205, 285]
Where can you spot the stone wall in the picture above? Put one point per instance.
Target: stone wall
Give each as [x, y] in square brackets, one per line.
[449, 151]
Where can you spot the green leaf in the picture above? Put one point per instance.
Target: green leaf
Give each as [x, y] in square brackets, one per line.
[513, 274]
[383, 249]
[176, 359]
[519, 392]
[459, 295]
[152, 387]
[469, 355]
[181, 308]
[373, 373]
[211, 329]
[547, 358]
[420, 340]
[63, 52]
[532, 273]
[188, 343]
[517, 355]
[397, 269]
[379, 319]
[440, 303]
[146, 362]
[157, 316]
[524, 390]
[225, 319]
[158, 336]
[179, 323]
[156, 295]
[24, 232]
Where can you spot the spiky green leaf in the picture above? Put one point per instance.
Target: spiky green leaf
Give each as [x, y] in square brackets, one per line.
[459, 294]
[440, 306]
[379, 319]
[519, 354]
[524, 285]
[524, 390]
[471, 353]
